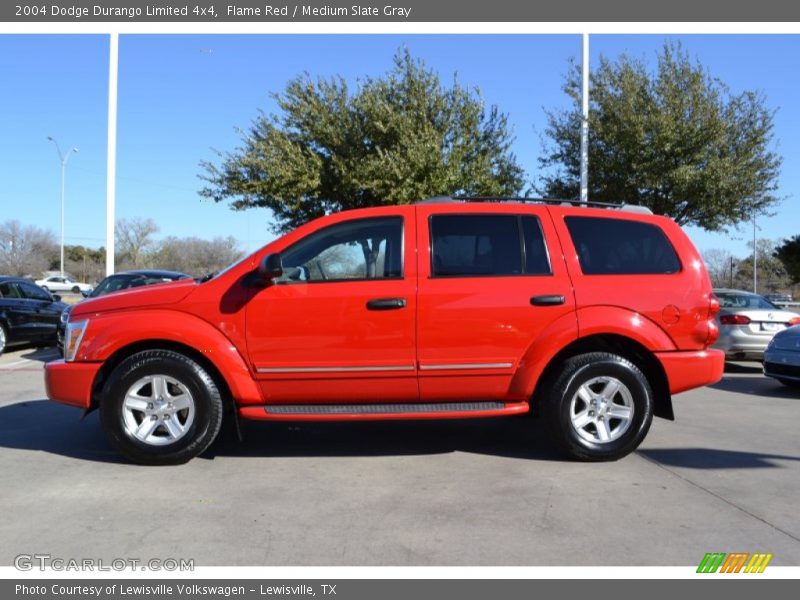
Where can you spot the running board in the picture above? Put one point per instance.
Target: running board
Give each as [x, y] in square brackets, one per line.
[379, 412]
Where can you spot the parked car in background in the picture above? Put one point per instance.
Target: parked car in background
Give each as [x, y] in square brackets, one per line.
[447, 309]
[56, 283]
[782, 357]
[747, 322]
[779, 298]
[121, 281]
[28, 314]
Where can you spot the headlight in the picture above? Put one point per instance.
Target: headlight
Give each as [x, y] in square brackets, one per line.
[65, 315]
[73, 338]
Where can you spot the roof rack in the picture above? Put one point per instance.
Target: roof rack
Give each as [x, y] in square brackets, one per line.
[638, 208]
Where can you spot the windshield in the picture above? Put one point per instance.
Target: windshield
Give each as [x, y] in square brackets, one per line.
[236, 263]
[745, 302]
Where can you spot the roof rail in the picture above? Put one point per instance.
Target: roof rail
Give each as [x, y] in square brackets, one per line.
[638, 208]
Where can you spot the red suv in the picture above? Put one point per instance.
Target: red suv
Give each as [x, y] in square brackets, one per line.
[591, 317]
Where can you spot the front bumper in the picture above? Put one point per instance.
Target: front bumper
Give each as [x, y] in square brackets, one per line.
[70, 383]
[692, 369]
[782, 364]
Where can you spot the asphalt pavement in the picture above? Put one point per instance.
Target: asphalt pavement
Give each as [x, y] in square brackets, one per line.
[725, 477]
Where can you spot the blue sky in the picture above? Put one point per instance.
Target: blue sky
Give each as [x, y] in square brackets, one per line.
[182, 95]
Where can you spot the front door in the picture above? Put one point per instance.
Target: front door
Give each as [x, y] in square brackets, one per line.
[339, 325]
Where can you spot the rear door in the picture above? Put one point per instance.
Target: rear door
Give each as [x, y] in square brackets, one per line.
[43, 311]
[491, 279]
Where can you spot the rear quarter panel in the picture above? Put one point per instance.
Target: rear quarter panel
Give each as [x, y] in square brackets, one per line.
[663, 312]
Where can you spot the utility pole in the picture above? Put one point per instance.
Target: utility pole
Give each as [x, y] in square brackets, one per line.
[585, 123]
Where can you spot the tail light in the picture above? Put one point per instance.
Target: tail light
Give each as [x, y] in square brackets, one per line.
[713, 306]
[734, 320]
[794, 321]
[712, 331]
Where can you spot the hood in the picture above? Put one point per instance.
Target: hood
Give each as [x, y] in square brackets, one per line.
[788, 339]
[152, 295]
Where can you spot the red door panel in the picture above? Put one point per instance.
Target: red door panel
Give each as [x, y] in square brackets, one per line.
[338, 341]
[473, 330]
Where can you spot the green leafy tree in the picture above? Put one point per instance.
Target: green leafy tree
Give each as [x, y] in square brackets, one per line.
[676, 140]
[392, 139]
[789, 254]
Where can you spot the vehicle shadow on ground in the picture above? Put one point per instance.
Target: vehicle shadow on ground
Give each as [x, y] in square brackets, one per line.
[512, 437]
[711, 458]
[45, 426]
[759, 385]
[45, 355]
[748, 367]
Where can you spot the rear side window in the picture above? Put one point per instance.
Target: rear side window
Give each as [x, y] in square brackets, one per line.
[487, 245]
[621, 247]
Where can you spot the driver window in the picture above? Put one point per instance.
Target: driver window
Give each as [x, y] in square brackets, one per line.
[355, 250]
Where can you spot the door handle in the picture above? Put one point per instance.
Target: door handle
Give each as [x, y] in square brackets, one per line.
[547, 300]
[386, 303]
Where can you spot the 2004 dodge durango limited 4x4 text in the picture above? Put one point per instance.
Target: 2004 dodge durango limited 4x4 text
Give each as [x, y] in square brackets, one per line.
[590, 317]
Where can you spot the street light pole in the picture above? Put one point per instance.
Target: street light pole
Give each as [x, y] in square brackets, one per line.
[63, 158]
[755, 256]
[585, 121]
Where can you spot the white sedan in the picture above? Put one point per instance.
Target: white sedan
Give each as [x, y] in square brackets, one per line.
[57, 283]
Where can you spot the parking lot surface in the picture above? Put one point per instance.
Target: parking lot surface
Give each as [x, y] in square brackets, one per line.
[724, 477]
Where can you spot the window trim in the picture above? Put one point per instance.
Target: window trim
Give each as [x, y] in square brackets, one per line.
[400, 277]
[627, 273]
[523, 246]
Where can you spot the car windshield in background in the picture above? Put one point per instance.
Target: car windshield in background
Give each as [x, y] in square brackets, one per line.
[745, 301]
[115, 283]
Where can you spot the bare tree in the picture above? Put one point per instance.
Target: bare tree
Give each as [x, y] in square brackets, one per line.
[25, 251]
[721, 266]
[135, 241]
[196, 256]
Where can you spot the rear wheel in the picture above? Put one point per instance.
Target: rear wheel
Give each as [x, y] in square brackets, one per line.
[3, 339]
[76, 289]
[599, 406]
[161, 408]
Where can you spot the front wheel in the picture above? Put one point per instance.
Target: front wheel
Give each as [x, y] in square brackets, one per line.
[76, 289]
[599, 406]
[3, 339]
[161, 408]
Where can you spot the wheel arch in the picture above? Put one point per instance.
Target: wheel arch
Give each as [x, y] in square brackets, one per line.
[625, 347]
[104, 374]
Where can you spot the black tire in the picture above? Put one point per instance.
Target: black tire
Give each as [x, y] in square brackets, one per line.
[205, 397]
[3, 339]
[76, 290]
[595, 370]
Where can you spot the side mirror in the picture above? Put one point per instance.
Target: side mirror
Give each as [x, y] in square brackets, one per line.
[56, 298]
[270, 267]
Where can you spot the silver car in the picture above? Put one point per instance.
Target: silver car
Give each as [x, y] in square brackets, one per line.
[747, 322]
[782, 357]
